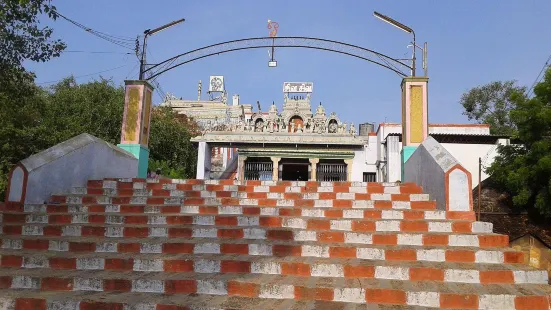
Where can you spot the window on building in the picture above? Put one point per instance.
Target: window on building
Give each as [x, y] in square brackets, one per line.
[370, 177]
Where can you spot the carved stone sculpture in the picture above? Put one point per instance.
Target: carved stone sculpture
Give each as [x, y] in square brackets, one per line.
[352, 129]
[259, 126]
[333, 127]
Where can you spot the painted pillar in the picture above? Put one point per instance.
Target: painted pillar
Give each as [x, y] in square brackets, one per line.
[314, 163]
[241, 167]
[415, 123]
[204, 156]
[348, 163]
[136, 122]
[275, 168]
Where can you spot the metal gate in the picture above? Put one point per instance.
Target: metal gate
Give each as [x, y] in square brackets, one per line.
[258, 171]
[330, 172]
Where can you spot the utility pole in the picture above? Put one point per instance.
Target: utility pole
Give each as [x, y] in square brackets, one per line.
[150, 32]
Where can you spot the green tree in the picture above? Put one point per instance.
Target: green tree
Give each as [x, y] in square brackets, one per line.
[22, 132]
[170, 146]
[22, 38]
[21, 102]
[524, 169]
[67, 109]
[95, 107]
[490, 104]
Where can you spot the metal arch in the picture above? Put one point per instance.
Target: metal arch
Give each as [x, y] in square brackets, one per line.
[280, 42]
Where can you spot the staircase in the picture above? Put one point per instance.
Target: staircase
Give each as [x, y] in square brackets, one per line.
[194, 244]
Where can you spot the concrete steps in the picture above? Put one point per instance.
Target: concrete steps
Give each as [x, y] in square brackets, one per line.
[393, 222]
[407, 252]
[84, 300]
[33, 213]
[244, 245]
[353, 290]
[395, 266]
[481, 240]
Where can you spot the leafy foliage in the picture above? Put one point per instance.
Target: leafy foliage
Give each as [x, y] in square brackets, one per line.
[95, 108]
[524, 169]
[35, 118]
[490, 104]
[49, 116]
[21, 37]
[170, 146]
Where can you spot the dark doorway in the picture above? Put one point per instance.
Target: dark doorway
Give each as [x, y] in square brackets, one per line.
[295, 172]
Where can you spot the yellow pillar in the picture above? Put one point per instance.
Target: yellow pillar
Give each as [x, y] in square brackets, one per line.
[136, 122]
[415, 122]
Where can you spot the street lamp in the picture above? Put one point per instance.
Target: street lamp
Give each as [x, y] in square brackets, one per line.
[402, 27]
[150, 32]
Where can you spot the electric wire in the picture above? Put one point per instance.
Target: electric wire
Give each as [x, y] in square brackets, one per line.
[158, 89]
[85, 75]
[117, 40]
[132, 70]
[538, 78]
[99, 52]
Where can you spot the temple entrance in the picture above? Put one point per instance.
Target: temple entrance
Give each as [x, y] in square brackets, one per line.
[295, 170]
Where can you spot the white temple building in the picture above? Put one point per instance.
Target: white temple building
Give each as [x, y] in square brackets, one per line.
[303, 143]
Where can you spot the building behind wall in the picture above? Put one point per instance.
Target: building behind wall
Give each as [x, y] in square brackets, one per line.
[466, 142]
[303, 142]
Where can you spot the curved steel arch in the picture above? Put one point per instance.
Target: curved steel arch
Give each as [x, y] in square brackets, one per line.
[279, 42]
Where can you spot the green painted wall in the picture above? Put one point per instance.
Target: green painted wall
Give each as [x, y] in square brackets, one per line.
[142, 154]
[405, 154]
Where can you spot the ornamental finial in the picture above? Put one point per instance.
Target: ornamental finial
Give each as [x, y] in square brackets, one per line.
[273, 26]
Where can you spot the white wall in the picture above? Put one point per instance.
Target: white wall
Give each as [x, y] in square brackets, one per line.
[382, 132]
[434, 168]
[458, 129]
[393, 158]
[468, 154]
[71, 164]
[365, 159]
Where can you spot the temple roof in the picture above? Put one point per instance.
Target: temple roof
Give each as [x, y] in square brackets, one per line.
[279, 138]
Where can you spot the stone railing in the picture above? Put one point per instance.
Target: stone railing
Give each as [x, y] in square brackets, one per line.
[66, 165]
[441, 176]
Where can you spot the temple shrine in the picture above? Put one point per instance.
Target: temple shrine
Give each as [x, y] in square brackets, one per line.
[304, 142]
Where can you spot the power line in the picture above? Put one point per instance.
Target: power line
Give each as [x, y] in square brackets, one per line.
[539, 75]
[98, 52]
[85, 75]
[124, 42]
[131, 71]
[158, 89]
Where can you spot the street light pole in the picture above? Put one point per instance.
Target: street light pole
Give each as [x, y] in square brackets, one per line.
[413, 59]
[402, 27]
[150, 32]
[142, 59]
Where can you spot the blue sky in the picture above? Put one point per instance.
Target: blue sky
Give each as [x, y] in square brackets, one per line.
[470, 43]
